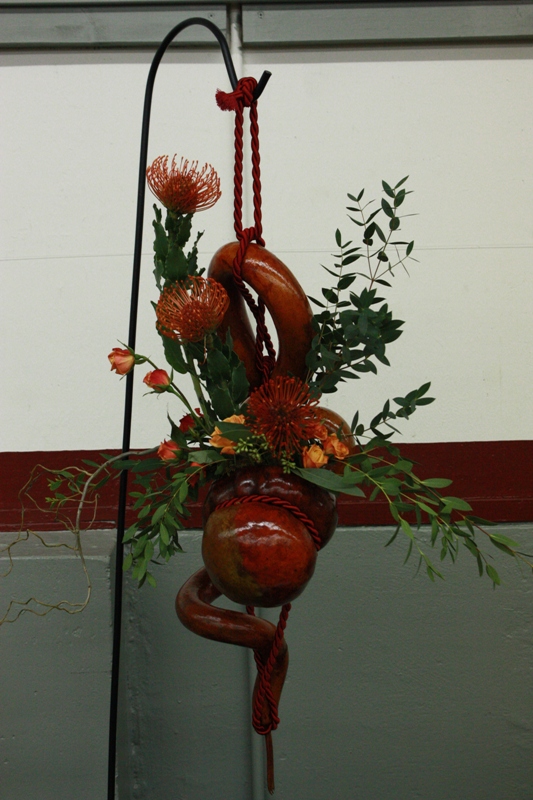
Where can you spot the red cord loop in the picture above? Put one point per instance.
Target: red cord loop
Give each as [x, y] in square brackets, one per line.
[243, 97]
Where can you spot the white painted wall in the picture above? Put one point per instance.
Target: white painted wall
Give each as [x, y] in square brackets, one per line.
[457, 120]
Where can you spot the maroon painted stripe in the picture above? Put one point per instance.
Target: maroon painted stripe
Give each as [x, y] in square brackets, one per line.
[495, 477]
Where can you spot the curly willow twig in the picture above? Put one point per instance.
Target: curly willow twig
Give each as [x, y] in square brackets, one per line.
[23, 535]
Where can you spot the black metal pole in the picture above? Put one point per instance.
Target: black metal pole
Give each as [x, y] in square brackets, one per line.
[123, 490]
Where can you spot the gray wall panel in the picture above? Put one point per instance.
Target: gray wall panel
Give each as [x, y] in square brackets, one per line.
[103, 27]
[369, 23]
[55, 675]
[397, 687]
[143, 23]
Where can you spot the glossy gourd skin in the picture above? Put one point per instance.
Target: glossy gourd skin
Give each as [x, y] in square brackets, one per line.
[285, 300]
[257, 554]
[261, 554]
[319, 505]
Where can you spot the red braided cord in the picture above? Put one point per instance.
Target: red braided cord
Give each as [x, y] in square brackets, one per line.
[236, 101]
[265, 671]
[256, 175]
[238, 171]
[264, 691]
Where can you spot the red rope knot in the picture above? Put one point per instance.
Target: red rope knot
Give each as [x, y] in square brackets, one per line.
[242, 94]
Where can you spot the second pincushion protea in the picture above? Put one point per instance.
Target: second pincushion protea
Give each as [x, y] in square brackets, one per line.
[192, 311]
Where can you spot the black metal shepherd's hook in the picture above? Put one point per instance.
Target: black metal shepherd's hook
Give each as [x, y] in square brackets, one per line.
[128, 405]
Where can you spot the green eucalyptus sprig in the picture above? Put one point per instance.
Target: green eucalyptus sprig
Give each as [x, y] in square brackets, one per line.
[353, 329]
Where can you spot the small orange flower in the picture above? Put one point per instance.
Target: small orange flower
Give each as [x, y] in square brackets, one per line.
[334, 447]
[183, 189]
[227, 445]
[158, 380]
[236, 419]
[283, 411]
[168, 450]
[217, 440]
[191, 311]
[121, 360]
[314, 456]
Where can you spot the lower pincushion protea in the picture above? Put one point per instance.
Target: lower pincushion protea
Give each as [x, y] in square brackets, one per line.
[191, 311]
[283, 411]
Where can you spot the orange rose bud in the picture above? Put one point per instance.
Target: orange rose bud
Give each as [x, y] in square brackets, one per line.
[168, 450]
[334, 447]
[237, 419]
[226, 445]
[121, 360]
[314, 456]
[158, 380]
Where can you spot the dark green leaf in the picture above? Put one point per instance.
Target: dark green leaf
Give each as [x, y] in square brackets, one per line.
[493, 575]
[160, 239]
[345, 281]
[350, 259]
[436, 483]
[158, 513]
[206, 456]
[381, 234]
[174, 355]
[150, 579]
[222, 402]
[387, 189]
[400, 197]
[176, 267]
[234, 431]
[239, 383]
[219, 367]
[499, 537]
[387, 208]
[456, 503]
[393, 537]
[400, 182]
[328, 480]
[164, 534]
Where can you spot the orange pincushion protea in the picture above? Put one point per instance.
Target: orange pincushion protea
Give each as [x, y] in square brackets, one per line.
[284, 412]
[191, 311]
[183, 189]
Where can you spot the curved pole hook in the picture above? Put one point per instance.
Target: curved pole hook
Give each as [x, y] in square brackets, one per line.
[128, 403]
